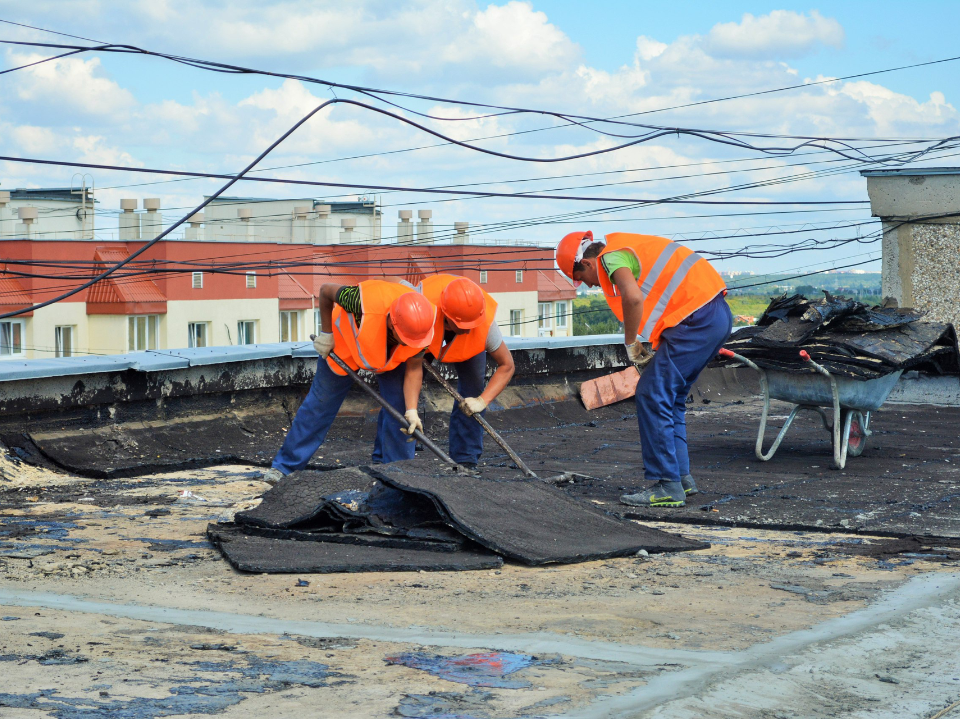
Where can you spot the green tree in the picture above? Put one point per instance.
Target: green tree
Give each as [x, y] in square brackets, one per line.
[592, 316]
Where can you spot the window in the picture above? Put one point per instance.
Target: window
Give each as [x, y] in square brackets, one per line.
[544, 318]
[251, 279]
[246, 332]
[561, 314]
[143, 332]
[11, 338]
[197, 280]
[519, 276]
[198, 334]
[483, 277]
[516, 322]
[63, 340]
[289, 326]
[317, 327]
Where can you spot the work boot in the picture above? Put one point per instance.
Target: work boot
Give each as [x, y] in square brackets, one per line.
[272, 476]
[663, 494]
[689, 485]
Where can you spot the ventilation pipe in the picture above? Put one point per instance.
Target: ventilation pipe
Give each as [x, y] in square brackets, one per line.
[300, 232]
[425, 227]
[405, 228]
[461, 235]
[26, 228]
[194, 231]
[347, 235]
[5, 231]
[246, 227]
[151, 223]
[129, 220]
[324, 231]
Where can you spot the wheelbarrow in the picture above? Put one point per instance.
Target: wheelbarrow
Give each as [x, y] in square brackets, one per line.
[852, 402]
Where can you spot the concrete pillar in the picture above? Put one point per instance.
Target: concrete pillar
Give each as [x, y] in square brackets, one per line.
[6, 227]
[129, 220]
[405, 228]
[194, 231]
[461, 236]
[425, 227]
[300, 230]
[323, 232]
[347, 236]
[26, 229]
[151, 224]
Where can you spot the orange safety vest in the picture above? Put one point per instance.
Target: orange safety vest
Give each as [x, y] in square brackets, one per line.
[674, 280]
[465, 346]
[365, 347]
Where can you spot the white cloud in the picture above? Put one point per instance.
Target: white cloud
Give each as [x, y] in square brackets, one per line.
[648, 48]
[71, 83]
[513, 36]
[782, 33]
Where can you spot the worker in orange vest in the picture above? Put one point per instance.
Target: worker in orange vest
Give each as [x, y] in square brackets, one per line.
[378, 326]
[464, 333]
[671, 298]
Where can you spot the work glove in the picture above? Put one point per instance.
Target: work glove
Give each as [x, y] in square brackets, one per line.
[415, 424]
[639, 353]
[323, 343]
[473, 406]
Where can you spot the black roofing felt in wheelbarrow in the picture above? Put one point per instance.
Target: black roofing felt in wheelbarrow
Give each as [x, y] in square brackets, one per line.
[847, 338]
[418, 510]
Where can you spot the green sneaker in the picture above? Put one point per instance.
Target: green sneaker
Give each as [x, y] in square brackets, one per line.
[689, 485]
[663, 494]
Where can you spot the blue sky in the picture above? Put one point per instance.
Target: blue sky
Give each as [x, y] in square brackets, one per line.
[627, 57]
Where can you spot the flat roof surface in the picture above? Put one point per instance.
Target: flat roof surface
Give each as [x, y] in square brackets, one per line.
[911, 171]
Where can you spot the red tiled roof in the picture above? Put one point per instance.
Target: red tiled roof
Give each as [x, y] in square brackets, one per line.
[551, 285]
[337, 274]
[12, 292]
[13, 296]
[293, 295]
[124, 294]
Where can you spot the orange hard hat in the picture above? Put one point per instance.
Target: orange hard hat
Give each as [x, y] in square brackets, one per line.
[413, 317]
[462, 301]
[570, 251]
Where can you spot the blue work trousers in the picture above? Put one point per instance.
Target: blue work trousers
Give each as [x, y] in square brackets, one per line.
[319, 409]
[466, 434]
[683, 353]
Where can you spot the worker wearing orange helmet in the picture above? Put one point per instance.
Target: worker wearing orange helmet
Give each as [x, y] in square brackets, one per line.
[672, 299]
[378, 326]
[465, 332]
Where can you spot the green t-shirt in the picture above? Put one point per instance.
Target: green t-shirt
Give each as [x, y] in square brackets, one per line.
[617, 259]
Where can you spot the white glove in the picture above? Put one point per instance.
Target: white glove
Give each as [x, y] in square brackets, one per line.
[638, 353]
[323, 343]
[414, 420]
[472, 406]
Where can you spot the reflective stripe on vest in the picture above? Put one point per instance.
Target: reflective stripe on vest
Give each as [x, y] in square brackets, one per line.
[361, 360]
[678, 277]
[651, 279]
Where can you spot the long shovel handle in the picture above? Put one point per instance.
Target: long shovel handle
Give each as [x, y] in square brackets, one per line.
[480, 419]
[427, 442]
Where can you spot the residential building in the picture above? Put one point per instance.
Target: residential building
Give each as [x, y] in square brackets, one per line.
[223, 288]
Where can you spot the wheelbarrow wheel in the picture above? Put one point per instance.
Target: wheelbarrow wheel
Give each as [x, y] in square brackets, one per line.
[857, 440]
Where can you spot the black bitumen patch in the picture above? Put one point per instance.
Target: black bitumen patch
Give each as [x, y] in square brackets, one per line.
[259, 554]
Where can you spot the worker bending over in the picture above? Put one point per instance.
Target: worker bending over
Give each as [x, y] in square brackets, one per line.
[464, 334]
[377, 326]
[669, 296]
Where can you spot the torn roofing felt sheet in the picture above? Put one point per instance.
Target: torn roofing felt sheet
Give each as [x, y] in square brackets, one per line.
[528, 520]
[251, 553]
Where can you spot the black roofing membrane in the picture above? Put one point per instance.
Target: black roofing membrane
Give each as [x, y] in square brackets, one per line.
[528, 521]
[419, 515]
[250, 553]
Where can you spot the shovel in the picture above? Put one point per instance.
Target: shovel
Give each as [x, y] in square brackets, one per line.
[566, 476]
[427, 442]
